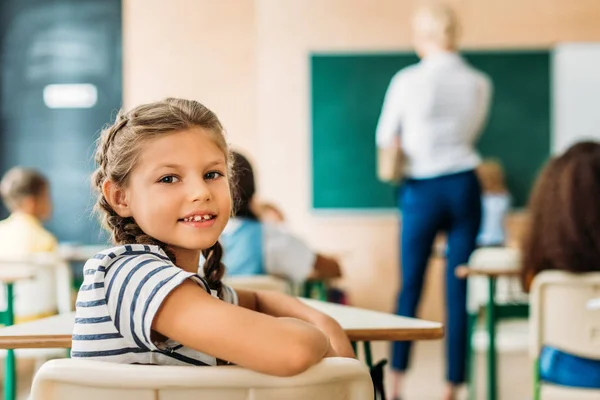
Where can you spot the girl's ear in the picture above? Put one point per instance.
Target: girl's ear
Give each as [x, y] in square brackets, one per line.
[116, 197]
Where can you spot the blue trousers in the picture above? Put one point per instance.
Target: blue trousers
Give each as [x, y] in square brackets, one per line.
[450, 203]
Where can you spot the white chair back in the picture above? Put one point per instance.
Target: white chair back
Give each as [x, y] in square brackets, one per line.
[47, 291]
[258, 282]
[72, 379]
[508, 289]
[560, 318]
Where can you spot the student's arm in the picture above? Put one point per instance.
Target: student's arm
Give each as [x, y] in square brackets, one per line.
[280, 305]
[257, 341]
[289, 256]
[325, 268]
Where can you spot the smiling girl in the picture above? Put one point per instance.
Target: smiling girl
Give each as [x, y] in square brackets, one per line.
[163, 183]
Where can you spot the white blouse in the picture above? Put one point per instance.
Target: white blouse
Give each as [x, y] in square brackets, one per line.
[437, 108]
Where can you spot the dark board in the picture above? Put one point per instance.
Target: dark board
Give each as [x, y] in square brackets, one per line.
[347, 95]
[49, 42]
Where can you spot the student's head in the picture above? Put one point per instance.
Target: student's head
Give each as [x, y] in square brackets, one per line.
[271, 213]
[564, 231]
[491, 176]
[162, 178]
[26, 190]
[435, 28]
[244, 187]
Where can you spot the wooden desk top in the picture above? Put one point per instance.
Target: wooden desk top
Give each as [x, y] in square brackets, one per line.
[367, 325]
[360, 325]
[464, 272]
[14, 274]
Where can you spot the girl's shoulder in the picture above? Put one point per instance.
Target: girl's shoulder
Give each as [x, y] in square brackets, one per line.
[131, 249]
[110, 255]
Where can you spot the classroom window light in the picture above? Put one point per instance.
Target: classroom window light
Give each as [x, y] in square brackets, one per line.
[71, 95]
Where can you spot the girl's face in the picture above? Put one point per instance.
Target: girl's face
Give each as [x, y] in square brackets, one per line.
[179, 193]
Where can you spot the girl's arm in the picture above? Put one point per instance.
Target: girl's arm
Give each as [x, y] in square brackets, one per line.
[275, 346]
[280, 305]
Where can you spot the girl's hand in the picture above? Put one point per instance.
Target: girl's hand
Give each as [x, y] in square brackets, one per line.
[280, 305]
[331, 352]
[339, 344]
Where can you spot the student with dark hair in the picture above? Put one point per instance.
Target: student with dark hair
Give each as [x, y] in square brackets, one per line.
[253, 247]
[564, 234]
[564, 230]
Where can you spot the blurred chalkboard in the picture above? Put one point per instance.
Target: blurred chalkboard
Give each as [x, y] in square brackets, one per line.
[58, 42]
[347, 95]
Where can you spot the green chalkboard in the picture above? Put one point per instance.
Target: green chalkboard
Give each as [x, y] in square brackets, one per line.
[347, 95]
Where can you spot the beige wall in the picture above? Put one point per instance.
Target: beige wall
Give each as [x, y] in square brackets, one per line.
[200, 49]
[248, 60]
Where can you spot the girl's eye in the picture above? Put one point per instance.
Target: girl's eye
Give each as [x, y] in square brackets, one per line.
[213, 175]
[168, 179]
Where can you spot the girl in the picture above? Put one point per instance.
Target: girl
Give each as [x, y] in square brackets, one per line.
[564, 215]
[495, 204]
[163, 182]
[253, 247]
[564, 235]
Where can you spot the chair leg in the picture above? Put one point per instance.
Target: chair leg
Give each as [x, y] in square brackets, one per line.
[10, 373]
[536, 380]
[10, 376]
[368, 356]
[491, 328]
[471, 355]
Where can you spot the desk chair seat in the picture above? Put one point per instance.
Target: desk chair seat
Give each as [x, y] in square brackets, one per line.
[71, 379]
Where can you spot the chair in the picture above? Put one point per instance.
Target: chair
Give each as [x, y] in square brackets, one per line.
[560, 318]
[258, 282]
[72, 379]
[56, 277]
[509, 303]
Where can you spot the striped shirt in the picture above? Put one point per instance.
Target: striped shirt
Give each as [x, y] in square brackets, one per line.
[122, 291]
[437, 108]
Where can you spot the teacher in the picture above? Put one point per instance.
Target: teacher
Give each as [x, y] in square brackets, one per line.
[435, 111]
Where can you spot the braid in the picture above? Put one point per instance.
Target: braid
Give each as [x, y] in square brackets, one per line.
[107, 138]
[123, 230]
[213, 267]
[118, 150]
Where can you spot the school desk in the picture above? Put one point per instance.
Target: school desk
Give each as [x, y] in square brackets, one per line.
[361, 325]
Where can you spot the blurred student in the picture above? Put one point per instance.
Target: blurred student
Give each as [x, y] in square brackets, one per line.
[254, 247]
[495, 204]
[26, 194]
[269, 212]
[564, 234]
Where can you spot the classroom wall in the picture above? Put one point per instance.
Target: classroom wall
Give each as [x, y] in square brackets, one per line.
[201, 49]
[248, 60]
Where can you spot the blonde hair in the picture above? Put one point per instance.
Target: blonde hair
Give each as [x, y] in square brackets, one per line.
[436, 22]
[491, 176]
[118, 151]
[19, 183]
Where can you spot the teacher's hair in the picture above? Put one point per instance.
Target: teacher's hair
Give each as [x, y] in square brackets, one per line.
[437, 23]
[564, 212]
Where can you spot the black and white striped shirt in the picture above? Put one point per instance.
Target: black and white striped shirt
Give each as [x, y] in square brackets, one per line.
[122, 291]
